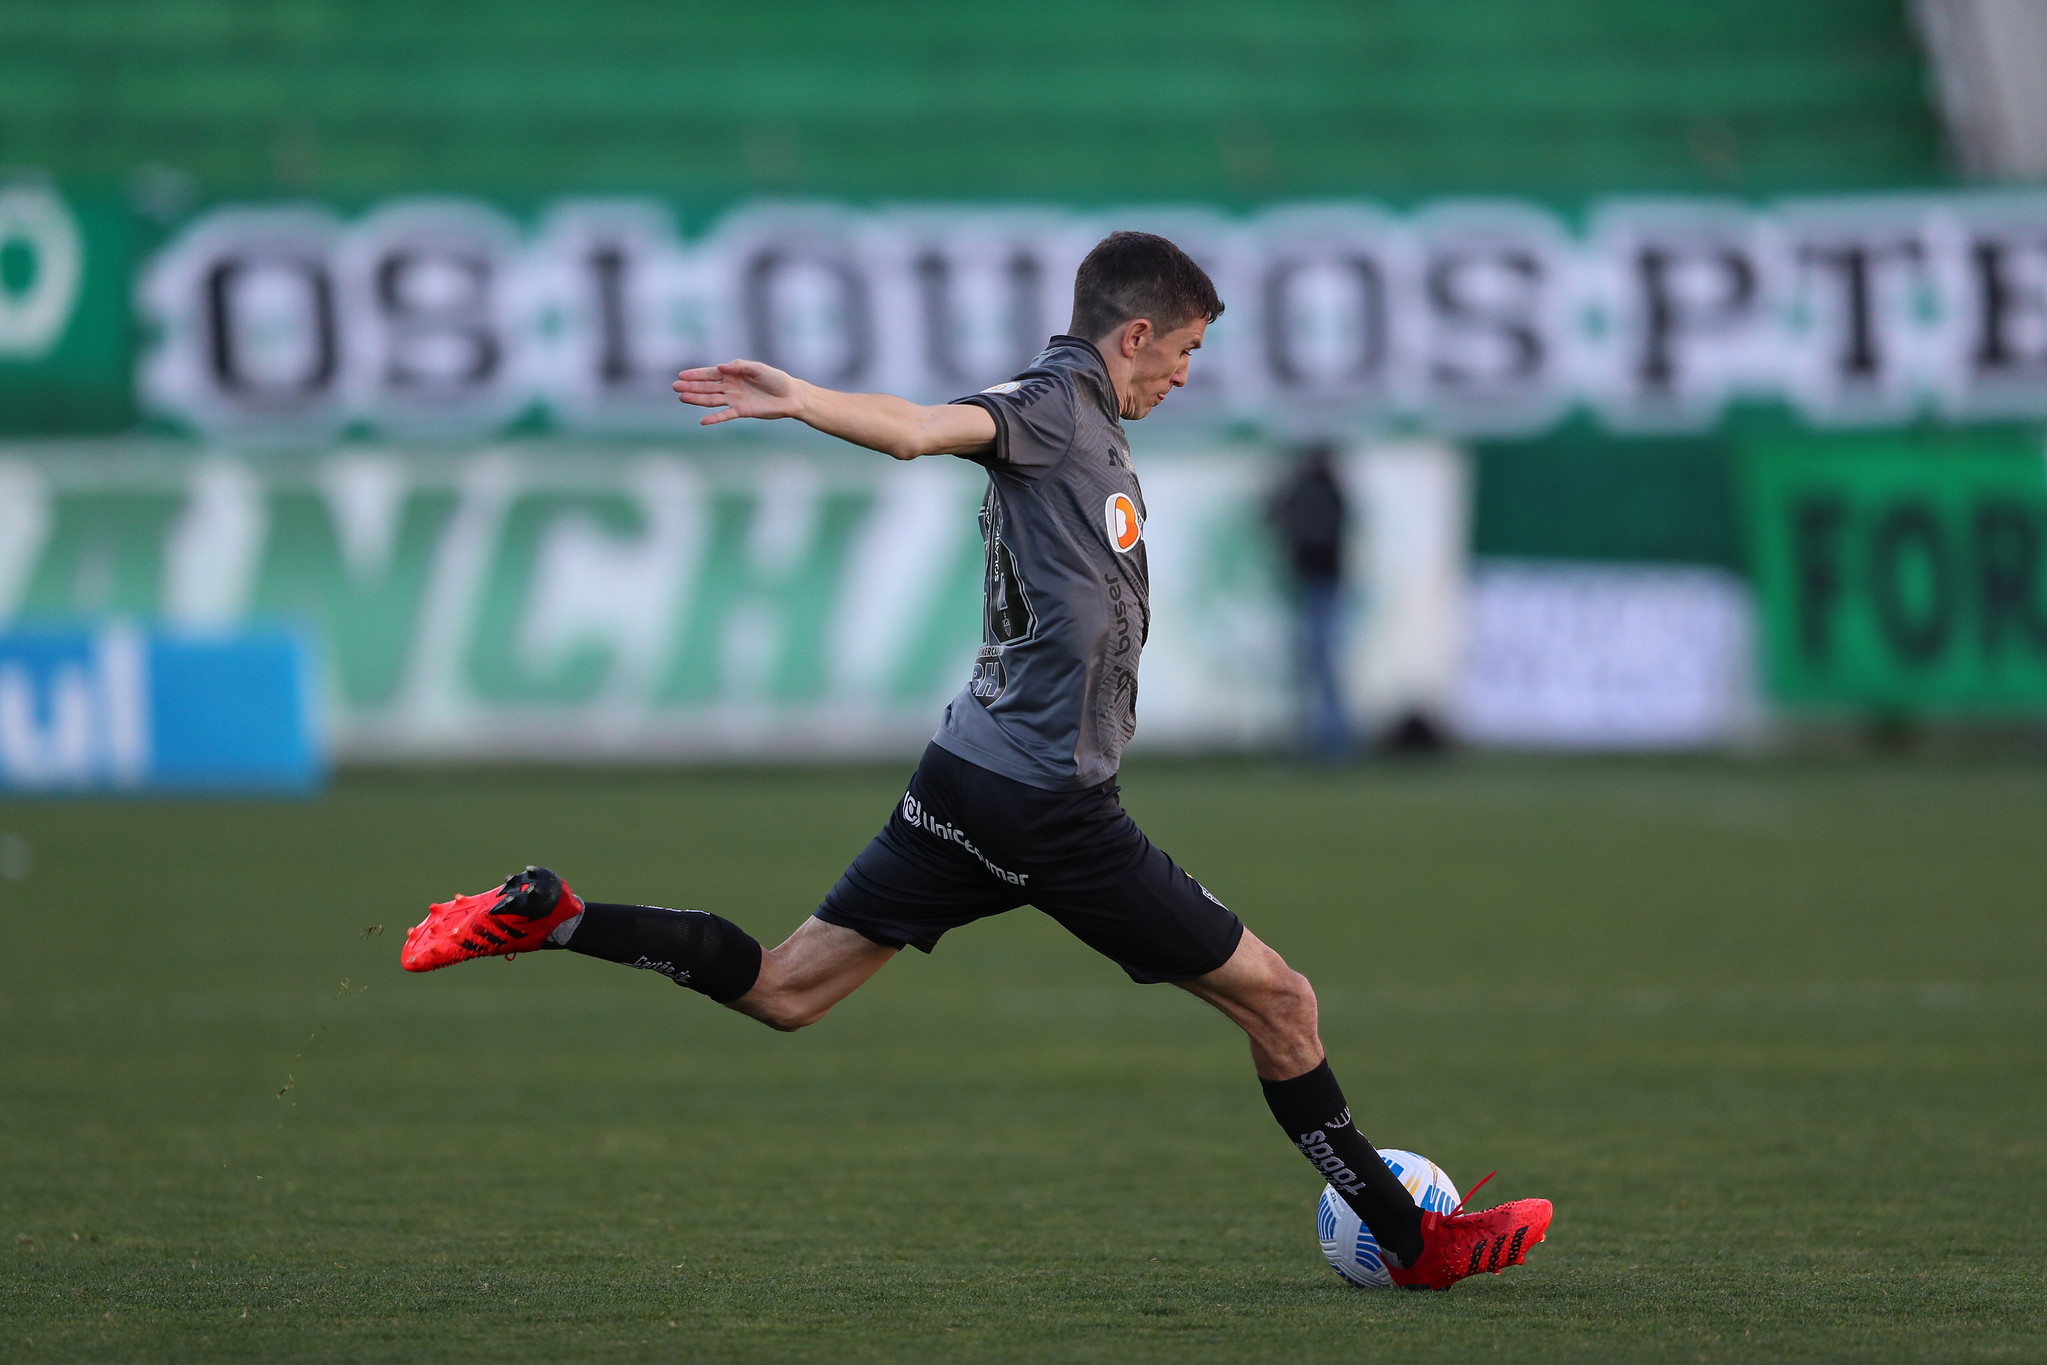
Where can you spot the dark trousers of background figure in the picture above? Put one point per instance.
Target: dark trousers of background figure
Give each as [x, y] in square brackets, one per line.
[1325, 729]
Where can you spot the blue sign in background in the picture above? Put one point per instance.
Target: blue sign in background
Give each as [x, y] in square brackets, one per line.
[114, 708]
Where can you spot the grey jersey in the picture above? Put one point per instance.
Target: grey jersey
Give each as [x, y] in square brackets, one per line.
[1053, 696]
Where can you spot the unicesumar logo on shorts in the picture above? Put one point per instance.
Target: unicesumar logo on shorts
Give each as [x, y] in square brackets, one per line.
[1126, 528]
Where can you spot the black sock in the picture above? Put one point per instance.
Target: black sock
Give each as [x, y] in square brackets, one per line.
[1312, 1110]
[692, 948]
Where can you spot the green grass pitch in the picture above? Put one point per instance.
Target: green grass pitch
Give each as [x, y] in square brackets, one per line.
[1772, 1035]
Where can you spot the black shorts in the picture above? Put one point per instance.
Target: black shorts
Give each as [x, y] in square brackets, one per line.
[965, 843]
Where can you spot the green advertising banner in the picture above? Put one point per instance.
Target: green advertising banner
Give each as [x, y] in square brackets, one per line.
[66, 315]
[443, 317]
[539, 600]
[1901, 579]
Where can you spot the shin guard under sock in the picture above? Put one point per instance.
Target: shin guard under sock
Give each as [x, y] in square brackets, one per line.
[692, 948]
[1312, 1110]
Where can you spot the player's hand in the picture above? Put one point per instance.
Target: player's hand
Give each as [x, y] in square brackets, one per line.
[739, 388]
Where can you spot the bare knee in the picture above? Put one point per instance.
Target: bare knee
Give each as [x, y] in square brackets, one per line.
[1286, 1038]
[1269, 999]
[814, 969]
[1272, 1003]
[1290, 1004]
[778, 999]
[782, 1011]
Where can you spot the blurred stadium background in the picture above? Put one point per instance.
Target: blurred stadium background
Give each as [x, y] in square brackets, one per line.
[1687, 371]
[1687, 375]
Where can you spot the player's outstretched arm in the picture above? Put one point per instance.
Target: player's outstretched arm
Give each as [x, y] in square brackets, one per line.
[880, 421]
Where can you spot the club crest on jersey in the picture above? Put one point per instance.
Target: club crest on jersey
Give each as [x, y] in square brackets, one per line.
[1126, 528]
[1006, 386]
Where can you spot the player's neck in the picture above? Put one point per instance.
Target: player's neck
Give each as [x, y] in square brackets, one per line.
[1121, 368]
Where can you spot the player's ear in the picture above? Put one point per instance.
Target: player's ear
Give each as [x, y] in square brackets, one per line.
[1136, 333]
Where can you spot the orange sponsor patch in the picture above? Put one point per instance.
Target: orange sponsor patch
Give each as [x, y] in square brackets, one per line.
[1126, 528]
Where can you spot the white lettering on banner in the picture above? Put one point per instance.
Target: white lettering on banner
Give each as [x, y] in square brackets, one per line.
[609, 595]
[1480, 317]
[897, 568]
[35, 308]
[962, 297]
[210, 554]
[1996, 272]
[615, 311]
[1688, 294]
[24, 524]
[431, 338]
[250, 334]
[72, 721]
[1497, 295]
[1325, 296]
[364, 494]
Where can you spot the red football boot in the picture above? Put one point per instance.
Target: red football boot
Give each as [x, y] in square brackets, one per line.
[1459, 1244]
[515, 918]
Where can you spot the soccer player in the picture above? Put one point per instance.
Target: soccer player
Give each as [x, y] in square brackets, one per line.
[1014, 802]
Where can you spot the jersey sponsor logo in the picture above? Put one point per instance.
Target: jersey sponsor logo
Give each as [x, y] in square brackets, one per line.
[920, 817]
[1007, 386]
[1122, 679]
[1114, 583]
[989, 677]
[1126, 528]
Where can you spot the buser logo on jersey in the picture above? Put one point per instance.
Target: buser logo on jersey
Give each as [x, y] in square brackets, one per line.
[1126, 528]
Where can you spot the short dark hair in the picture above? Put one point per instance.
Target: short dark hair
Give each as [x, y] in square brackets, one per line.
[1140, 275]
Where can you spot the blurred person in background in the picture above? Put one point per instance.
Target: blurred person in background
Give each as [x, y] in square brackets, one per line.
[1311, 518]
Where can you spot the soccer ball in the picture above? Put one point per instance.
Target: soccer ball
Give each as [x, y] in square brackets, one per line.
[1348, 1244]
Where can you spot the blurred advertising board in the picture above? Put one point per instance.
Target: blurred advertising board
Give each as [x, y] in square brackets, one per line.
[1899, 578]
[115, 708]
[453, 318]
[1577, 655]
[542, 601]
